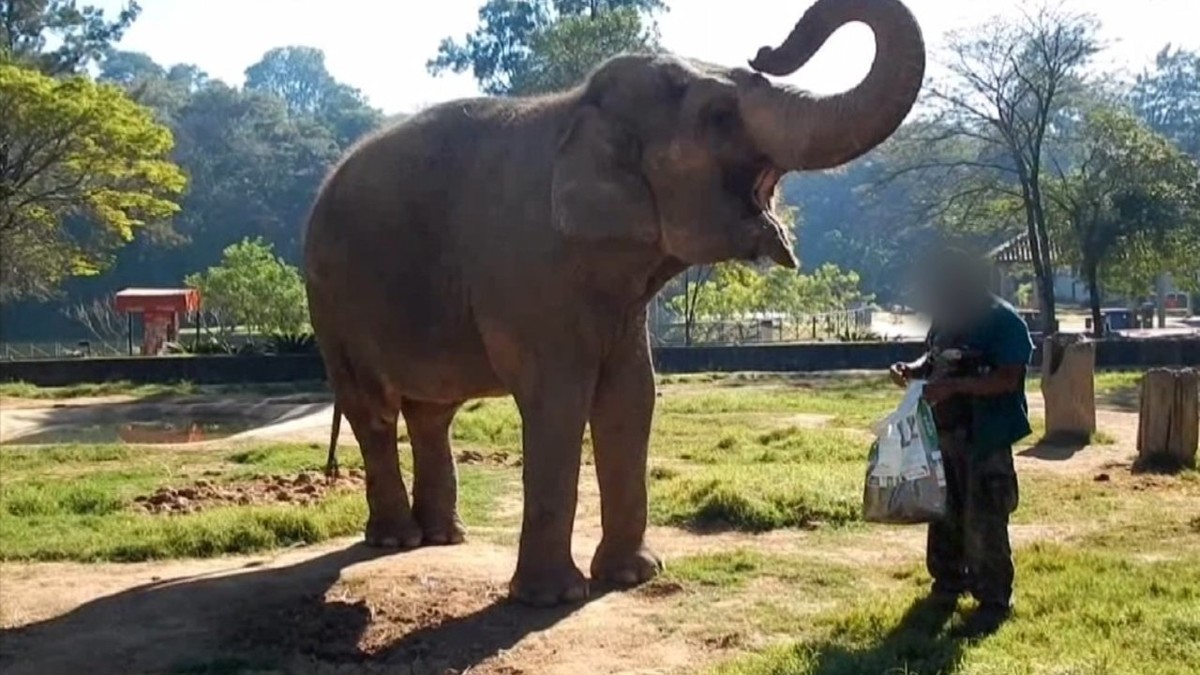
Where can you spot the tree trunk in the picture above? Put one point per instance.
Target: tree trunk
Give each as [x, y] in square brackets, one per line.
[1160, 293]
[1093, 282]
[1050, 315]
[1068, 387]
[1044, 282]
[1169, 421]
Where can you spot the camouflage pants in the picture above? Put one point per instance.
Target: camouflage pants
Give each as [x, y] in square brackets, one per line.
[968, 550]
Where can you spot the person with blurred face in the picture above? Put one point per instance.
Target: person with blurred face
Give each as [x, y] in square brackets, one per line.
[978, 349]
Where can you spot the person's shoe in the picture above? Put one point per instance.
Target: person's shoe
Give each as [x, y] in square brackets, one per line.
[945, 594]
[984, 621]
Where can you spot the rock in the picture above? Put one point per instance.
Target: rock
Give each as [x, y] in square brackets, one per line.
[187, 493]
[1103, 478]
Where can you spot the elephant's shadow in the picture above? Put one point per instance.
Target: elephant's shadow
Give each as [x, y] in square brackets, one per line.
[274, 620]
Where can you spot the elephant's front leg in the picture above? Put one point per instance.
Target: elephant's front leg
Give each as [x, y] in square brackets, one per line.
[553, 416]
[621, 417]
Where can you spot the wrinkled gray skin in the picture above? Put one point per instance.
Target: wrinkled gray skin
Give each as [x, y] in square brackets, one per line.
[510, 246]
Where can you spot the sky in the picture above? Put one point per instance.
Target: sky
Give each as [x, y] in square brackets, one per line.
[381, 46]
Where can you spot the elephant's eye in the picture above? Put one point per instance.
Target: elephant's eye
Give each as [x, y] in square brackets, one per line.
[627, 150]
[722, 120]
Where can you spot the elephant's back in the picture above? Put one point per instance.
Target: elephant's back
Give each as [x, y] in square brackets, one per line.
[384, 270]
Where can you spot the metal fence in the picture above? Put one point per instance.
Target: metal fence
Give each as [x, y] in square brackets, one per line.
[850, 325]
[847, 325]
[26, 351]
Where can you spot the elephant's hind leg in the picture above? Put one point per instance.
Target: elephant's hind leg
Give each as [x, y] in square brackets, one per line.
[390, 523]
[435, 479]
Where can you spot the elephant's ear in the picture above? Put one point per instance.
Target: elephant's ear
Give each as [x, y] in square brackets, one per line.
[598, 190]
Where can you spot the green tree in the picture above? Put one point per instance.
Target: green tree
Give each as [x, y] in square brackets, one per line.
[526, 47]
[1131, 201]
[81, 169]
[129, 68]
[730, 292]
[83, 34]
[253, 289]
[983, 158]
[256, 168]
[297, 75]
[563, 54]
[1168, 98]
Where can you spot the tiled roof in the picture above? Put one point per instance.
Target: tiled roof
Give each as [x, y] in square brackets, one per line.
[1016, 250]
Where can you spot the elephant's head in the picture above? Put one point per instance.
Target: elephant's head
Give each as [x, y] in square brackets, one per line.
[686, 156]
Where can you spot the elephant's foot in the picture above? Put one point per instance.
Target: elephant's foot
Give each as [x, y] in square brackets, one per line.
[547, 587]
[393, 532]
[625, 566]
[441, 529]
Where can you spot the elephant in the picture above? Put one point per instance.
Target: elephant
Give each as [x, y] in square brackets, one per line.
[510, 246]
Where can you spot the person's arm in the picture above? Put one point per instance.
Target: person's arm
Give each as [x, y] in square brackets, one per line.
[903, 372]
[1001, 380]
[1010, 351]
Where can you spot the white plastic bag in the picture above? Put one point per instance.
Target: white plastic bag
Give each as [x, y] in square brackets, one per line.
[906, 481]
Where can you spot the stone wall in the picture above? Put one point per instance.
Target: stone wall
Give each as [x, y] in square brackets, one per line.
[814, 357]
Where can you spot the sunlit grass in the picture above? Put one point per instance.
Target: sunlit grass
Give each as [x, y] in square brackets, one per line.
[74, 502]
[1077, 611]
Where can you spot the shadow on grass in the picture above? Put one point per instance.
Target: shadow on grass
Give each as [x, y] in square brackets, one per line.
[1125, 398]
[918, 643]
[1055, 447]
[262, 619]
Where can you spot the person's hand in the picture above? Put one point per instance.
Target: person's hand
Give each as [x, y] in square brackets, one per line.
[900, 374]
[937, 391]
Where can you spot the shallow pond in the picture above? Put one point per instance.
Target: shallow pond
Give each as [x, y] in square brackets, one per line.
[163, 430]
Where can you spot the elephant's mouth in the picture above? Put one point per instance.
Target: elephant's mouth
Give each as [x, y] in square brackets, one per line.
[764, 189]
[774, 242]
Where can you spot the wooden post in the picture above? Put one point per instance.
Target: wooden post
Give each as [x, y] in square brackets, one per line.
[1069, 388]
[1169, 420]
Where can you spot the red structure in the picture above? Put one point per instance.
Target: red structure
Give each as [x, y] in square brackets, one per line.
[160, 309]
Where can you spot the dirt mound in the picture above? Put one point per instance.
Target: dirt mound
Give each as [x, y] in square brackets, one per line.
[418, 620]
[302, 489]
[497, 458]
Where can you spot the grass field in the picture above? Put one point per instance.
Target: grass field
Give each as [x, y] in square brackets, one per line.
[758, 480]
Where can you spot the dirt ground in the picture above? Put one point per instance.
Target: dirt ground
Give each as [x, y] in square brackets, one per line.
[343, 608]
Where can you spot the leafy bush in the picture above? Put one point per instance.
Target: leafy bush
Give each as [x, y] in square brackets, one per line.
[292, 343]
[254, 289]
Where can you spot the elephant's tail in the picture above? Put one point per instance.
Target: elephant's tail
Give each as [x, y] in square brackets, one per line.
[331, 463]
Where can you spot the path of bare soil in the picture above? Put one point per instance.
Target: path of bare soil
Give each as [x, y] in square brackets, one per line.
[342, 608]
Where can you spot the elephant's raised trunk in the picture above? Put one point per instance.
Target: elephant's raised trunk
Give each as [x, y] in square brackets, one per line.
[799, 131]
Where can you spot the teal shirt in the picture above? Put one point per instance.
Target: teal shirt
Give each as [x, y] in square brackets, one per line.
[1002, 339]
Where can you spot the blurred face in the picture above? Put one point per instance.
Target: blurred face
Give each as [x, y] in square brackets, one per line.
[955, 294]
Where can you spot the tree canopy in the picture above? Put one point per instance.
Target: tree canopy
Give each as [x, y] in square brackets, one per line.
[1131, 200]
[252, 159]
[83, 34]
[82, 167]
[1168, 98]
[526, 47]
